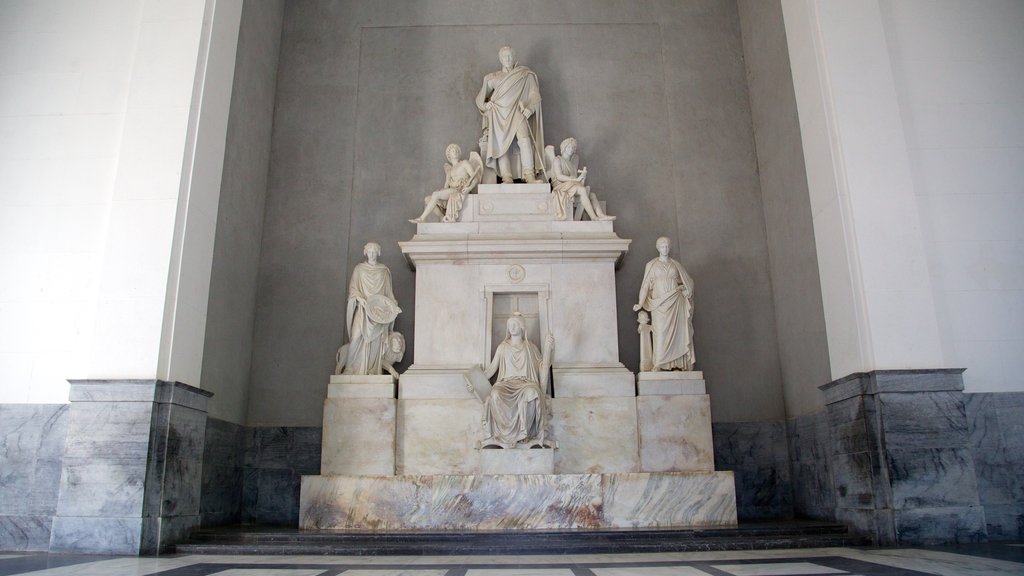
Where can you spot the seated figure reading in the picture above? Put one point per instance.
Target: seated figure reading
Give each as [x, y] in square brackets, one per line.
[567, 181]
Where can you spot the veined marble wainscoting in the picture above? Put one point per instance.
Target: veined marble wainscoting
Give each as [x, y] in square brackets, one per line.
[758, 455]
[220, 502]
[31, 452]
[996, 426]
[275, 460]
[901, 457]
[252, 475]
[130, 476]
[810, 449]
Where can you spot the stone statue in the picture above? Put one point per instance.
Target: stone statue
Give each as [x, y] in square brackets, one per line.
[510, 104]
[515, 410]
[667, 294]
[567, 181]
[460, 178]
[393, 353]
[646, 341]
[370, 315]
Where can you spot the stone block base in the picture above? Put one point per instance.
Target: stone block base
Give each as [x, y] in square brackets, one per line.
[359, 416]
[518, 461]
[514, 502]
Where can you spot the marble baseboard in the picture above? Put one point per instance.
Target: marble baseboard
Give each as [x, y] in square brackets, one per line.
[28, 533]
[96, 535]
[511, 502]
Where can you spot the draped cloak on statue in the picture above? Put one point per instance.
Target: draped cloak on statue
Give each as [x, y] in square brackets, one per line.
[517, 90]
[671, 311]
[367, 338]
[515, 408]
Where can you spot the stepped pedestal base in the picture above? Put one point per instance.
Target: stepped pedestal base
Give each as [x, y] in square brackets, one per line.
[518, 502]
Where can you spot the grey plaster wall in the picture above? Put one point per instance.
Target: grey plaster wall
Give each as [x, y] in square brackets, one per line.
[793, 261]
[231, 312]
[31, 453]
[368, 96]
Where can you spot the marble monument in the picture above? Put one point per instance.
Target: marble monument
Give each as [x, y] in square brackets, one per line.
[566, 436]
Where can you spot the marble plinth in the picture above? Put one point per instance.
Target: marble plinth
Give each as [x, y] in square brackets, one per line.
[517, 461]
[359, 417]
[593, 382]
[595, 435]
[672, 382]
[675, 433]
[518, 502]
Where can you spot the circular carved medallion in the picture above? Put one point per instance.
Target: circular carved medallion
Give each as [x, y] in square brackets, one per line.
[516, 273]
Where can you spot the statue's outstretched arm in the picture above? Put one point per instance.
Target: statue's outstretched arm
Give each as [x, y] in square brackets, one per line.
[492, 367]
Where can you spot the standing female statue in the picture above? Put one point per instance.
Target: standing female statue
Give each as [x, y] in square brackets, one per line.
[370, 314]
[667, 294]
[515, 410]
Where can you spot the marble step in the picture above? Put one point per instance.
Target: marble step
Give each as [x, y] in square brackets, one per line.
[255, 540]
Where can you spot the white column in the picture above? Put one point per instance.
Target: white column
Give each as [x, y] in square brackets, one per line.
[876, 289]
[151, 311]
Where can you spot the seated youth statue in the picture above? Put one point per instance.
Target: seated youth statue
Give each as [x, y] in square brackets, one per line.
[515, 411]
[460, 178]
[567, 181]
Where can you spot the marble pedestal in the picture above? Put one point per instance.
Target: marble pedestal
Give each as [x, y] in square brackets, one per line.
[359, 425]
[621, 460]
[518, 502]
[674, 416]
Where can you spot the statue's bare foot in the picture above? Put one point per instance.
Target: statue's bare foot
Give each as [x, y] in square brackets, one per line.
[606, 217]
[530, 178]
[416, 220]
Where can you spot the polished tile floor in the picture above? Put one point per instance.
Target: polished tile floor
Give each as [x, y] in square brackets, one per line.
[989, 559]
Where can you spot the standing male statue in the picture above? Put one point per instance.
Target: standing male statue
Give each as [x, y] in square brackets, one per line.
[510, 103]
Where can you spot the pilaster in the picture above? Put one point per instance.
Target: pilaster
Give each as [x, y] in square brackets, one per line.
[132, 470]
[901, 457]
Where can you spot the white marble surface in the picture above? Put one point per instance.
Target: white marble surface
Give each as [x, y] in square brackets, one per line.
[666, 383]
[517, 502]
[438, 436]
[669, 499]
[594, 381]
[358, 436]
[595, 435]
[675, 433]
[363, 386]
[517, 461]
